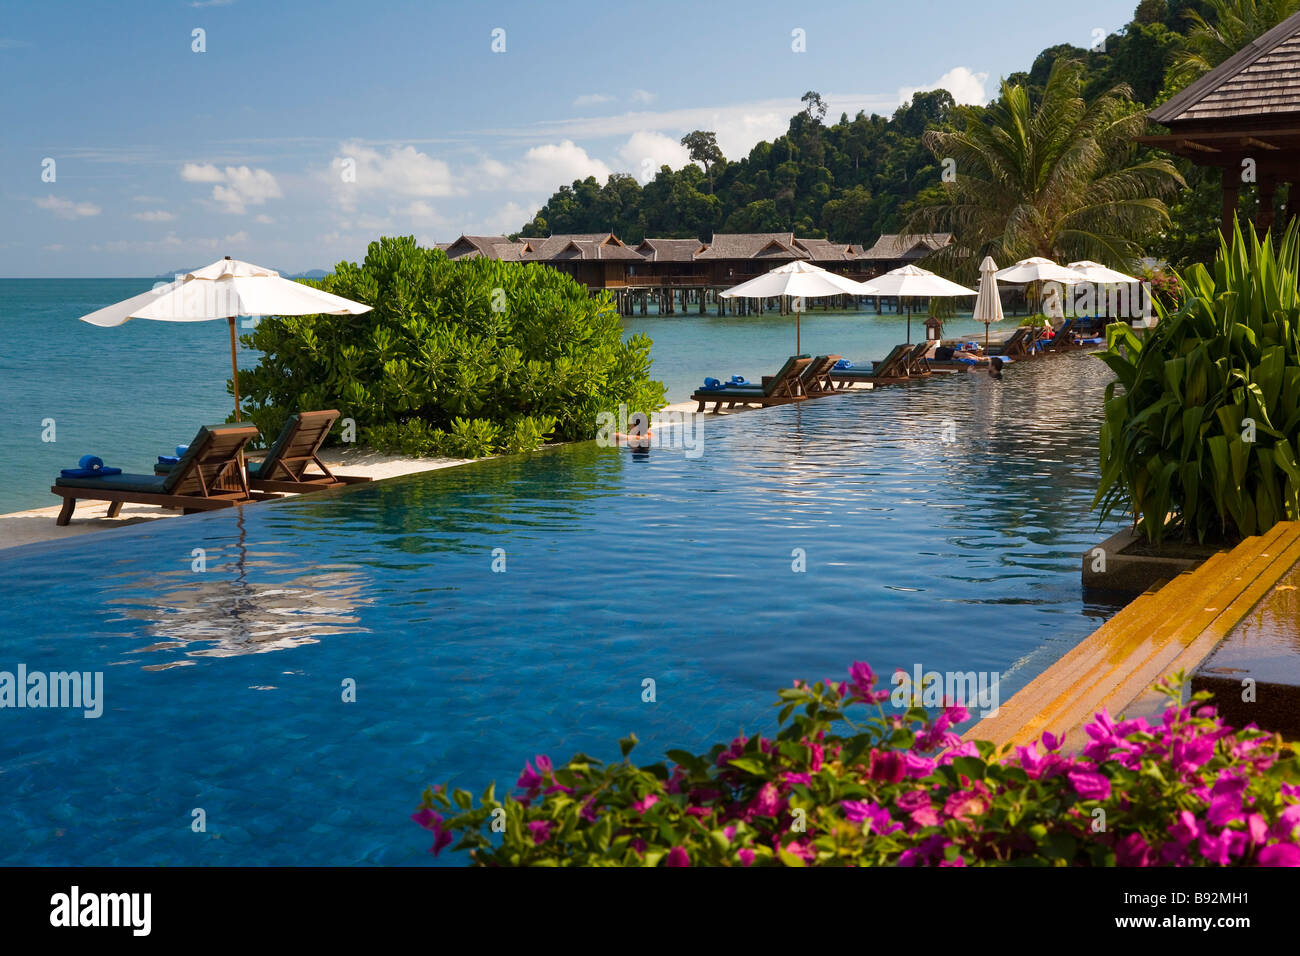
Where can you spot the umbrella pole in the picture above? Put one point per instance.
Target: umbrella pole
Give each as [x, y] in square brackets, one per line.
[797, 350]
[234, 375]
[234, 365]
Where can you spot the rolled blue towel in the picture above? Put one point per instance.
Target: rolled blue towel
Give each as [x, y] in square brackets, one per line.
[90, 463]
[100, 472]
[181, 450]
[168, 459]
[843, 363]
[738, 380]
[711, 384]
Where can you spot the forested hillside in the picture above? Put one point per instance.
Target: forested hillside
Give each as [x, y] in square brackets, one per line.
[854, 178]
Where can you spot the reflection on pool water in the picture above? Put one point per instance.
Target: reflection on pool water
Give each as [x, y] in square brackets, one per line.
[223, 688]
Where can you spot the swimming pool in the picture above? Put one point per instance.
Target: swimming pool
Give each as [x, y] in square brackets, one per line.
[223, 688]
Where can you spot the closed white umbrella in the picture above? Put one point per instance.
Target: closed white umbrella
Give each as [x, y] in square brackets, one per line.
[912, 281]
[988, 304]
[224, 290]
[800, 280]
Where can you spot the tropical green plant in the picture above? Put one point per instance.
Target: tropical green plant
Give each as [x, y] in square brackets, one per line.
[464, 358]
[849, 782]
[1056, 177]
[1203, 420]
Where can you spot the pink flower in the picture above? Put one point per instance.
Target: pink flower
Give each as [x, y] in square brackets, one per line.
[865, 811]
[1280, 854]
[530, 779]
[798, 778]
[746, 856]
[816, 756]
[1133, 850]
[433, 821]
[967, 803]
[1089, 784]
[544, 764]
[1052, 742]
[967, 749]
[912, 800]
[767, 803]
[678, 856]
[918, 766]
[864, 680]
[887, 765]
[541, 830]
[645, 803]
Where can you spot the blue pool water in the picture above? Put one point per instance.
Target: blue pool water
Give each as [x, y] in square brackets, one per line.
[131, 392]
[223, 688]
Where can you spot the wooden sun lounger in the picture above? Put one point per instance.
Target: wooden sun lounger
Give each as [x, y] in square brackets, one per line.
[1021, 343]
[285, 467]
[779, 389]
[207, 477]
[816, 379]
[915, 362]
[889, 371]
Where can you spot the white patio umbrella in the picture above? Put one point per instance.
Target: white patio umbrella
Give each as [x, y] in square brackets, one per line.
[1038, 269]
[912, 281]
[1100, 275]
[224, 290]
[988, 304]
[799, 280]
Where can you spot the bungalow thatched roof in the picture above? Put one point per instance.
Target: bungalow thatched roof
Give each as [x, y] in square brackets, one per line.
[600, 245]
[823, 250]
[670, 250]
[753, 245]
[471, 246]
[906, 246]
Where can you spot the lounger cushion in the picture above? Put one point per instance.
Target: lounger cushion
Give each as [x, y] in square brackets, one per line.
[143, 484]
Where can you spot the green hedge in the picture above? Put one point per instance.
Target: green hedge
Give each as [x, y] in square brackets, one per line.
[465, 358]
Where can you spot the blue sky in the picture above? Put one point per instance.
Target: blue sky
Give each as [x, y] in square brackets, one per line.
[167, 158]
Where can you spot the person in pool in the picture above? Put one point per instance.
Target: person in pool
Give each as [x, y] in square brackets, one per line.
[638, 433]
[995, 368]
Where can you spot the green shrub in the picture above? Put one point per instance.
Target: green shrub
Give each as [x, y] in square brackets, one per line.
[465, 358]
[1201, 426]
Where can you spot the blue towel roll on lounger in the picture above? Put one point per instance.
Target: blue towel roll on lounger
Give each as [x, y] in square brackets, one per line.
[90, 463]
[168, 459]
[843, 363]
[738, 380]
[181, 450]
[711, 384]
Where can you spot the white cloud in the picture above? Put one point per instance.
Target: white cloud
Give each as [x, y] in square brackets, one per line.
[263, 219]
[965, 85]
[505, 219]
[542, 169]
[148, 199]
[645, 152]
[201, 173]
[644, 97]
[156, 215]
[67, 209]
[234, 188]
[401, 172]
[592, 99]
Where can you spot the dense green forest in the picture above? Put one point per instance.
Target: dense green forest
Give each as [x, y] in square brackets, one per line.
[852, 180]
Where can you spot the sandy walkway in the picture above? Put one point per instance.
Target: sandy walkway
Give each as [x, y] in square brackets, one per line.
[30, 527]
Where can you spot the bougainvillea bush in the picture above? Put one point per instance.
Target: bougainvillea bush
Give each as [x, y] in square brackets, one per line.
[847, 781]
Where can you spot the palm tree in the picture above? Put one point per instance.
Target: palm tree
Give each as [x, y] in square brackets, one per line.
[1212, 40]
[1058, 178]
